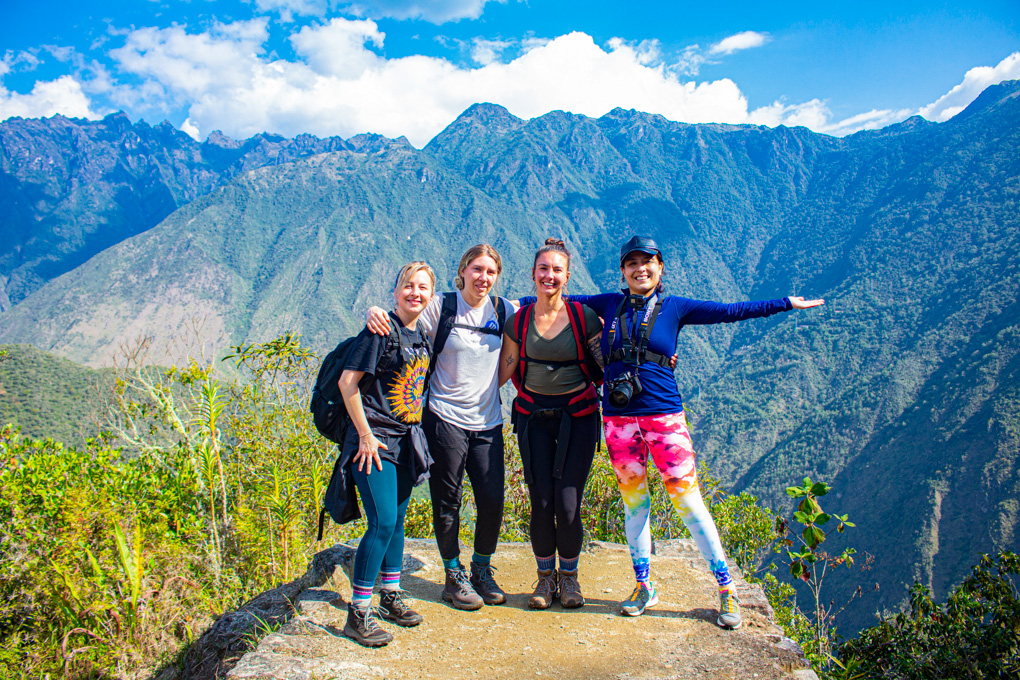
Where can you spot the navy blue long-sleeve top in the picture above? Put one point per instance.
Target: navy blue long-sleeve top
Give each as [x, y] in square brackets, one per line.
[660, 394]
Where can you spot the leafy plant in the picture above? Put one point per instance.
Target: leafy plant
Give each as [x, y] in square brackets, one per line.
[811, 564]
[974, 634]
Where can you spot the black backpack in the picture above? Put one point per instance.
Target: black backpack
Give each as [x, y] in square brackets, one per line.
[327, 405]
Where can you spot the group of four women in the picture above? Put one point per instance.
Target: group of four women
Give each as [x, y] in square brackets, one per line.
[555, 349]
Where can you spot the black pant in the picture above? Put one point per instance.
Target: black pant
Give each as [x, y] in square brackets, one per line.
[556, 503]
[456, 451]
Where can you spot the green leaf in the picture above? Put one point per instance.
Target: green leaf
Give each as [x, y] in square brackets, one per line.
[820, 488]
[813, 536]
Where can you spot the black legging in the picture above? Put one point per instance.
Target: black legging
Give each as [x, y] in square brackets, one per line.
[480, 454]
[556, 503]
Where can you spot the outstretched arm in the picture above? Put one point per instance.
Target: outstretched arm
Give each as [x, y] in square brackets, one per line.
[509, 357]
[798, 302]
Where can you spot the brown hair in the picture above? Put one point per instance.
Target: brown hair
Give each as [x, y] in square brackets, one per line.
[409, 270]
[552, 245]
[471, 255]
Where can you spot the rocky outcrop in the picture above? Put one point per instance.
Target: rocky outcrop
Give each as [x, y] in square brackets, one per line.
[300, 624]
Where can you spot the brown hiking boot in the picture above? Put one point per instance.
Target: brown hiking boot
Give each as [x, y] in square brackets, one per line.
[545, 590]
[459, 592]
[485, 584]
[570, 590]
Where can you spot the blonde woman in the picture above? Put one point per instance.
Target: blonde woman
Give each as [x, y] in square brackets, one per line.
[463, 421]
[383, 387]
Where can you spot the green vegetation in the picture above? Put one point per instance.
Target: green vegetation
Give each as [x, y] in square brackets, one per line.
[47, 396]
[974, 634]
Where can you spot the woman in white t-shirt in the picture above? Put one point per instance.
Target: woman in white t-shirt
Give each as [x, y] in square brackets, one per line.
[463, 422]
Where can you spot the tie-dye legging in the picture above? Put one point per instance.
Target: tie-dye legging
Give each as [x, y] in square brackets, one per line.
[630, 440]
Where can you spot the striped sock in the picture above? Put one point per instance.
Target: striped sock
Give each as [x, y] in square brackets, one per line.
[453, 563]
[361, 597]
[390, 580]
[546, 563]
[480, 559]
[569, 565]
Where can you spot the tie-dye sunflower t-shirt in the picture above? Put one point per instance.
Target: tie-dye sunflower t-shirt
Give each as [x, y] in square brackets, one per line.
[393, 387]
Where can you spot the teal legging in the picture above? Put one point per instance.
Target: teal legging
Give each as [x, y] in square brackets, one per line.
[384, 496]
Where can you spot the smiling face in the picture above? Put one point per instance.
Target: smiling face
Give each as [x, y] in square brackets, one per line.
[642, 272]
[550, 273]
[479, 276]
[414, 296]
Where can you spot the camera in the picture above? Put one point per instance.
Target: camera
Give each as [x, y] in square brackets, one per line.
[625, 387]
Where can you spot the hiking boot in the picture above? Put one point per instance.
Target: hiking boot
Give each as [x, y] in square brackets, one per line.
[485, 584]
[362, 628]
[394, 609]
[729, 609]
[643, 596]
[570, 590]
[458, 591]
[545, 590]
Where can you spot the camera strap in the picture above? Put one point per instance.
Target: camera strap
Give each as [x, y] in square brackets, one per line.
[636, 351]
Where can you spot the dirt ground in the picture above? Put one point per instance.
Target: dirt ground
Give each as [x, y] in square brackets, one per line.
[678, 638]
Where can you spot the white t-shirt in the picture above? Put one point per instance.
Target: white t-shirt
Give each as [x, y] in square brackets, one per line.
[464, 389]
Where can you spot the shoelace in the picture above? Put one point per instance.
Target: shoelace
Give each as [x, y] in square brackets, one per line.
[729, 602]
[369, 619]
[545, 586]
[636, 595]
[460, 576]
[569, 585]
[397, 604]
[486, 578]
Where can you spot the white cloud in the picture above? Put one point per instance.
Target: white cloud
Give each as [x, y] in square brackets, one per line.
[485, 52]
[433, 11]
[974, 82]
[63, 95]
[340, 86]
[740, 41]
[287, 9]
[338, 48]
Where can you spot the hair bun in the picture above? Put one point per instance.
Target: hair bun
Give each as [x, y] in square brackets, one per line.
[555, 242]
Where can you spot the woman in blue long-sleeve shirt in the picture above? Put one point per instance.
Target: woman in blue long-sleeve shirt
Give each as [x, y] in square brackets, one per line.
[643, 411]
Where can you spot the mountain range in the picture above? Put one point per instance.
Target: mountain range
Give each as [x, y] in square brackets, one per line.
[902, 391]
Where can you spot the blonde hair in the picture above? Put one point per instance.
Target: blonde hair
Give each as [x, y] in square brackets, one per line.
[473, 253]
[409, 270]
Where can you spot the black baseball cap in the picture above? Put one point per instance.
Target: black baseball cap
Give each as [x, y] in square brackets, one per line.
[645, 244]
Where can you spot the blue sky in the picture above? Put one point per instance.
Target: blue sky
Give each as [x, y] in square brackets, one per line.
[409, 67]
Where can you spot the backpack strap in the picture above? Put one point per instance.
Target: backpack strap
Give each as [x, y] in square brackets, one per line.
[447, 314]
[522, 322]
[579, 327]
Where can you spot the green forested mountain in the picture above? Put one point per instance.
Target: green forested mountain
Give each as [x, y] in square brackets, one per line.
[902, 391]
[49, 396]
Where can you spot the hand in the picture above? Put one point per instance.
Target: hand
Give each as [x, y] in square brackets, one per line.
[368, 452]
[672, 361]
[799, 302]
[378, 321]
